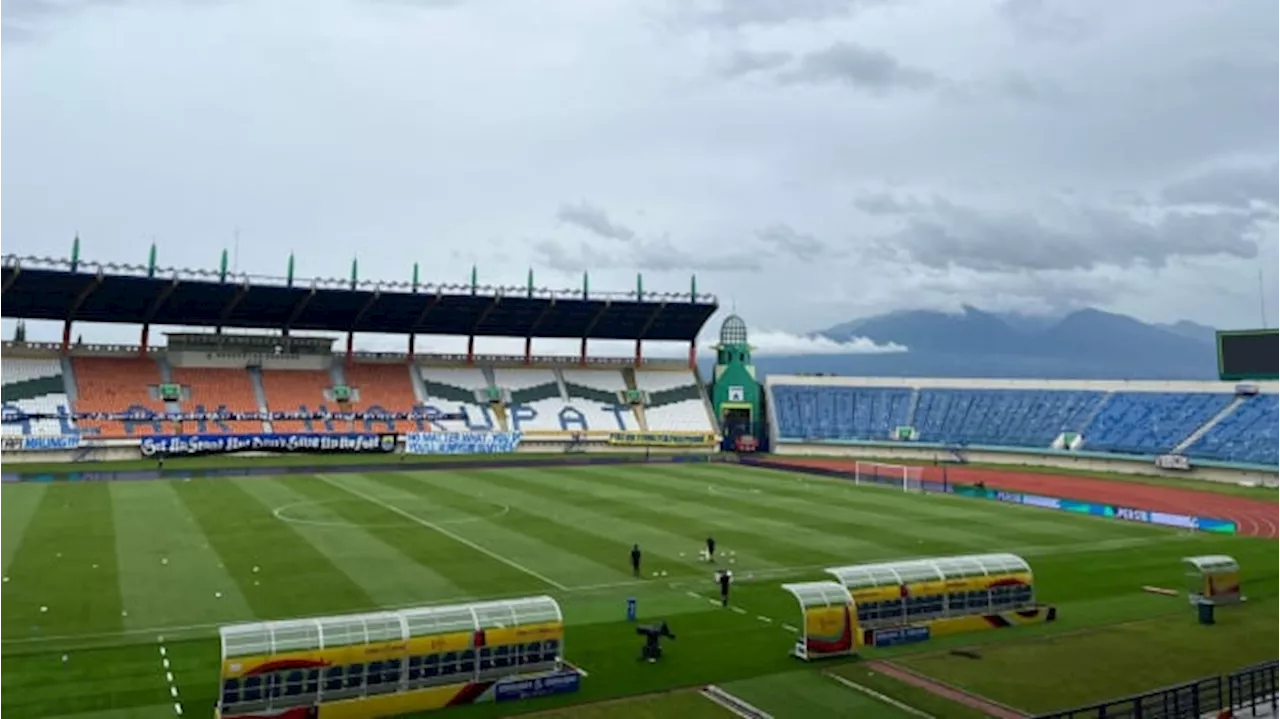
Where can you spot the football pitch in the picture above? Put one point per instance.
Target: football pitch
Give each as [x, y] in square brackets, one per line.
[113, 590]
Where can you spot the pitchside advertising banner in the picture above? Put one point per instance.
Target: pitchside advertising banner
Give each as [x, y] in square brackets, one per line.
[42, 443]
[1165, 519]
[187, 445]
[462, 442]
[660, 439]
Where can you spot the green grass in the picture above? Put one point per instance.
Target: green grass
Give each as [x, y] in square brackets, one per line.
[94, 555]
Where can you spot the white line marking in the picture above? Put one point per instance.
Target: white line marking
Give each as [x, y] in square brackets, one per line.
[790, 628]
[283, 515]
[165, 662]
[738, 610]
[174, 691]
[695, 595]
[764, 619]
[168, 676]
[451, 535]
[880, 697]
[733, 704]
[177, 708]
[162, 651]
[714, 602]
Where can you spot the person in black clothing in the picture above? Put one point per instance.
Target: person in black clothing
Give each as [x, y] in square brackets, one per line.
[711, 549]
[724, 577]
[635, 560]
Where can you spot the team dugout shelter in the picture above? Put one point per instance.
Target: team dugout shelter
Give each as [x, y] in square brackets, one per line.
[72, 290]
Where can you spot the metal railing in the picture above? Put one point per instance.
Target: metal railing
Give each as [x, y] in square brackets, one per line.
[1245, 690]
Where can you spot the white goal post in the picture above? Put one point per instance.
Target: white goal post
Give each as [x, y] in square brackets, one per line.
[879, 474]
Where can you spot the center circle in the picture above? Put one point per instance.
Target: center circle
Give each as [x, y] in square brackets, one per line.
[324, 513]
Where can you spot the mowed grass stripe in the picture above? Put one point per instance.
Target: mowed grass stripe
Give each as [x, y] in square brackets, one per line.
[66, 561]
[1007, 526]
[42, 685]
[245, 534]
[661, 545]
[1026, 520]
[565, 554]
[758, 539]
[20, 504]
[891, 532]
[395, 560]
[169, 574]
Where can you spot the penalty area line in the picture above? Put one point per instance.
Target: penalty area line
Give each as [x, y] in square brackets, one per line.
[451, 535]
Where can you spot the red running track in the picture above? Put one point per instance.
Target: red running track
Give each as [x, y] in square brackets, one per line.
[1253, 518]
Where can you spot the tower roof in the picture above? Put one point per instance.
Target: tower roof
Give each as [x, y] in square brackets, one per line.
[733, 331]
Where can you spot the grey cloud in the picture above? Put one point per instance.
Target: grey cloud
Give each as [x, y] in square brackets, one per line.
[746, 62]
[789, 242]
[884, 203]
[744, 13]
[660, 255]
[1078, 238]
[868, 69]
[594, 220]
[1045, 20]
[1238, 187]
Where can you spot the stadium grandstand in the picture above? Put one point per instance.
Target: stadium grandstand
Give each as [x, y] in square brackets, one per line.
[242, 370]
[1225, 424]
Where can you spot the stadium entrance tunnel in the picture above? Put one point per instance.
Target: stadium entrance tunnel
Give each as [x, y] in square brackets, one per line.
[909, 601]
[386, 664]
[827, 628]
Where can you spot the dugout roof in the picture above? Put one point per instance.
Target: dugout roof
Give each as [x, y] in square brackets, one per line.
[293, 635]
[45, 289]
[819, 594]
[911, 571]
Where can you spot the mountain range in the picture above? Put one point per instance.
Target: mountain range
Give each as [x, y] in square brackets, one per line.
[1085, 344]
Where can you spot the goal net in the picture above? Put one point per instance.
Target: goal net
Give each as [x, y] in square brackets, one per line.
[895, 476]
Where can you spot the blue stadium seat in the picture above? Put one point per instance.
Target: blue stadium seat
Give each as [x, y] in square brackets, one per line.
[840, 413]
[1150, 422]
[1249, 434]
[1002, 417]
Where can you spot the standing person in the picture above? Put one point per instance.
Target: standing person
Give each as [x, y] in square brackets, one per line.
[635, 560]
[724, 577]
[711, 549]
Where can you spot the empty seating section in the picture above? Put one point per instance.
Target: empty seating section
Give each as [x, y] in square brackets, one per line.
[1249, 434]
[209, 389]
[384, 387]
[594, 392]
[1001, 417]
[299, 391]
[453, 390]
[536, 402]
[36, 386]
[117, 384]
[1150, 422]
[839, 413]
[675, 401]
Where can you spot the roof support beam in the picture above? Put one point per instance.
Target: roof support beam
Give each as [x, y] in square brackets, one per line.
[657, 312]
[364, 310]
[158, 302]
[297, 310]
[596, 320]
[533, 328]
[12, 277]
[89, 287]
[226, 311]
[485, 315]
[422, 317]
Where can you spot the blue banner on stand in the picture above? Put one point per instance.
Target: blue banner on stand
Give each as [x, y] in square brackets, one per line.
[187, 445]
[462, 442]
[559, 683]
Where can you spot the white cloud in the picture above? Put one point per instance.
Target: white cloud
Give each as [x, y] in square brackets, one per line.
[784, 343]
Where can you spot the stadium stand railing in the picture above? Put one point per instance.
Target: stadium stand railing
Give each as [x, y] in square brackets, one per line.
[1247, 690]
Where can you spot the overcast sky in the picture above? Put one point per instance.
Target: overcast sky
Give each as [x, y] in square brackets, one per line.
[811, 160]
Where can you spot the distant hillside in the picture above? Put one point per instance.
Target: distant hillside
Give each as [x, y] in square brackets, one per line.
[1087, 344]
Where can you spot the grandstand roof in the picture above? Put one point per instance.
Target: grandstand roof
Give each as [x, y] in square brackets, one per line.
[46, 289]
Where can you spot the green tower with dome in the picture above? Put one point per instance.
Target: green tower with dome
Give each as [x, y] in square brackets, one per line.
[735, 391]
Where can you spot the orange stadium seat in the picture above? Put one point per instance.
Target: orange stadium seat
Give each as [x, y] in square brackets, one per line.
[212, 388]
[385, 386]
[289, 390]
[115, 384]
